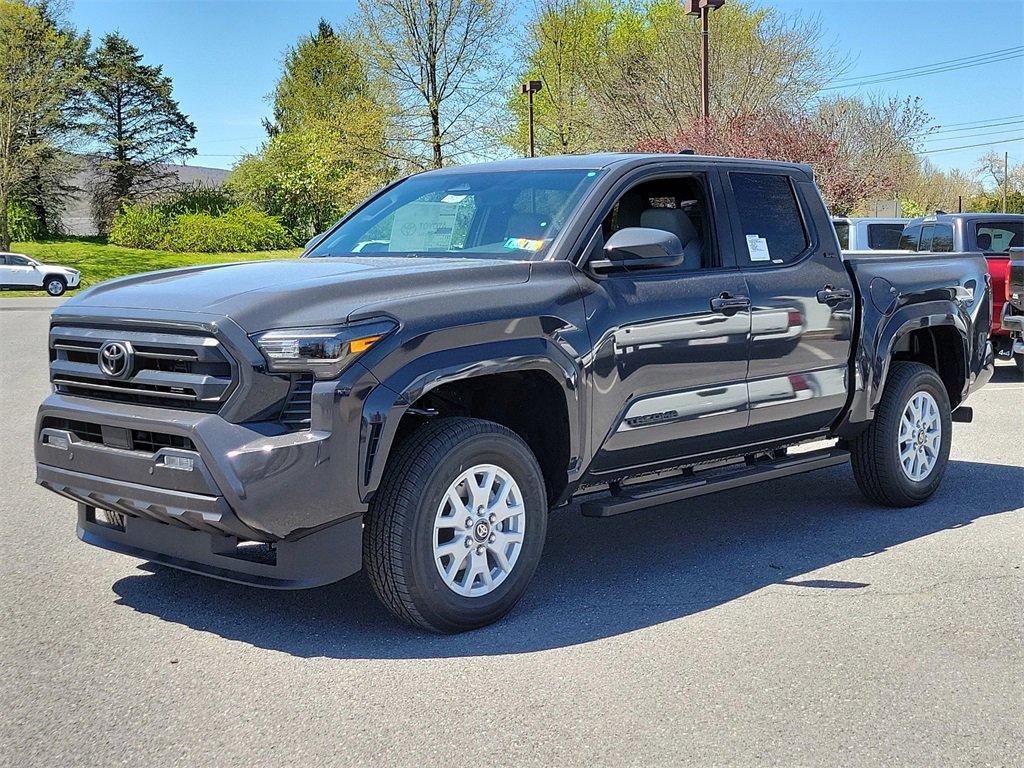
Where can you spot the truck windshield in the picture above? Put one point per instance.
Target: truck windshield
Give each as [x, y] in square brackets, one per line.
[477, 214]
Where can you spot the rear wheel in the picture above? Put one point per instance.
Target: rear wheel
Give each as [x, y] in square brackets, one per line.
[456, 530]
[1019, 360]
[55, 285]
[900, 459]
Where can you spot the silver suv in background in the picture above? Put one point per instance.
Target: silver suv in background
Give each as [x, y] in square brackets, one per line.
[868, 234]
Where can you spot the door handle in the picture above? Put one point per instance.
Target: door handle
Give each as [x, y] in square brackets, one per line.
[726, 303]
[830, 295]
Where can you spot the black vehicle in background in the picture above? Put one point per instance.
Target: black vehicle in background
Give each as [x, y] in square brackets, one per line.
[474, 346]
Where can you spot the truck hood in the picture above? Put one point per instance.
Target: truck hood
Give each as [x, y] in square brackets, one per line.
[258, 295]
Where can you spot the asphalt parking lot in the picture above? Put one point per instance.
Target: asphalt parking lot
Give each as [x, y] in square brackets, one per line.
[786, 624]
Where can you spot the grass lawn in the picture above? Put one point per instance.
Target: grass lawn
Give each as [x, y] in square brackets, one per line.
[99, 261]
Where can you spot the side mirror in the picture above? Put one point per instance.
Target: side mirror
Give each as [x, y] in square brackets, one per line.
[640, 248]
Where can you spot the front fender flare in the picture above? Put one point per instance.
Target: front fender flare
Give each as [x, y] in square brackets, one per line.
[388, 402]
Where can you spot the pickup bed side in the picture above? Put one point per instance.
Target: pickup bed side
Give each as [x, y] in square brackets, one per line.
[938, 315]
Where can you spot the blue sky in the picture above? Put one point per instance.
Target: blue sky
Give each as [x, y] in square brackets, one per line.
[224, 57]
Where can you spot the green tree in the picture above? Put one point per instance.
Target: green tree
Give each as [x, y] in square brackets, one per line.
[328, 145]
[564, 42]
[137, 126]
[40, 71]
[633, 72]
[447, 61]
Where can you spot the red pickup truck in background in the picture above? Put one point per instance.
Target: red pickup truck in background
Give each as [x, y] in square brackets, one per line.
[994, 234]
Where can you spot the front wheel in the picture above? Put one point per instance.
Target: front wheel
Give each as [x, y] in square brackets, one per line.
[899, 460]
[455, 532]
[55, 286]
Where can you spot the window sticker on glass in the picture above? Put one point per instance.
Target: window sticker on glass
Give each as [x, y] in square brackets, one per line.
[523, 244]
[423, 227]
[757, 246]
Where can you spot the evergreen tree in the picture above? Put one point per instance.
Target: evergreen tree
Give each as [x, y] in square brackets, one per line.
[137, 126]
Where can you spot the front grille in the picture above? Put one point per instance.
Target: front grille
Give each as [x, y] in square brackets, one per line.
[176, 369]
[141, 440]
[297, 411]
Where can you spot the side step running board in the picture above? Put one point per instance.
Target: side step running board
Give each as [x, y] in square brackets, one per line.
[708, 481]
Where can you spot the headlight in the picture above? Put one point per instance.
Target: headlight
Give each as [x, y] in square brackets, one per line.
[324, 352]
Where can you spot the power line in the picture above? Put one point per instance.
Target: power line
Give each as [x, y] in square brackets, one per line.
[970, 146]
[934, 71]
[986, 120]
[971, 128]
[926, 66]
[973, 135]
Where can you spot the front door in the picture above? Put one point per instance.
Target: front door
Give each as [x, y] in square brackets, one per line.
[667, 377]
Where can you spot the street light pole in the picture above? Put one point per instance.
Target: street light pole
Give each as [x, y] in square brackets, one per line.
[531, 87]
[705, 74]
[703, 9]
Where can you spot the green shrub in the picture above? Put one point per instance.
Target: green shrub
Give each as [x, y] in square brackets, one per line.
[243, 229]
[23, 224]
[198, 198]
[139, 226]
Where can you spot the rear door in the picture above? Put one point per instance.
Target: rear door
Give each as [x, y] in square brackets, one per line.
[801, 303]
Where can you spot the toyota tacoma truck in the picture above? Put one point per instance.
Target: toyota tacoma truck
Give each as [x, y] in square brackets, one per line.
[475, 346]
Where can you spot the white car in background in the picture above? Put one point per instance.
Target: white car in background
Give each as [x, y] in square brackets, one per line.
[20, 273]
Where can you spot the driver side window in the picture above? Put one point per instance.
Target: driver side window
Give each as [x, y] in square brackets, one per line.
[678, 205]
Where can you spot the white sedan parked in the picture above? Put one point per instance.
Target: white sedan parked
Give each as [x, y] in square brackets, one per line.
[19, 272]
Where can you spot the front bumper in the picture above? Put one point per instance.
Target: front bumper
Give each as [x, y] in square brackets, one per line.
[319, 558]
[200, 504]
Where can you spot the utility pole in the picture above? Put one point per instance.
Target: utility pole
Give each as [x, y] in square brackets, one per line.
[703, 9]
[531, 87]
[1006, 176]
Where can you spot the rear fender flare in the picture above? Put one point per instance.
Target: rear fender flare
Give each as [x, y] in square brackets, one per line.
[388, 402]
[905, 320]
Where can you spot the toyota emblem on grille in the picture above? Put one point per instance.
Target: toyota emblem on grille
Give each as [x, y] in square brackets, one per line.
[115, 359]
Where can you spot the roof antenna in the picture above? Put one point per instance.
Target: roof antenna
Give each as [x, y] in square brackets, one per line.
[686, 151]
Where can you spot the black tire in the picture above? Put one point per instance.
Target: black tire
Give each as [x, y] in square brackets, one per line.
[398, 533]
[1018, 359]
[55, 285]
[875, 453]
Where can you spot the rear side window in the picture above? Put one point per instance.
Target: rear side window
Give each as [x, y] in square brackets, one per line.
[908, 240]
[942, 238]
[843, 233]
[770, 217]
[884, 237]
[998, 236]
[926, 237]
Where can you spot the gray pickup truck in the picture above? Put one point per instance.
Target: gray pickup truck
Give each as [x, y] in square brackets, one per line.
[474, 346]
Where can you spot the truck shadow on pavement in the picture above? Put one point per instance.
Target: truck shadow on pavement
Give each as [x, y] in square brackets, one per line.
[600, 578]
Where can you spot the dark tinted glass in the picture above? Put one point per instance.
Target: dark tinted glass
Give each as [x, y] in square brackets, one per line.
[770, 217]
[884, 237]
[843, 233]
[926, 237]
[908, 240]
[942, 238]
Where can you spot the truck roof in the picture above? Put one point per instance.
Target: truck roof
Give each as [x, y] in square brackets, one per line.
[603, 160]
[951, 217]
